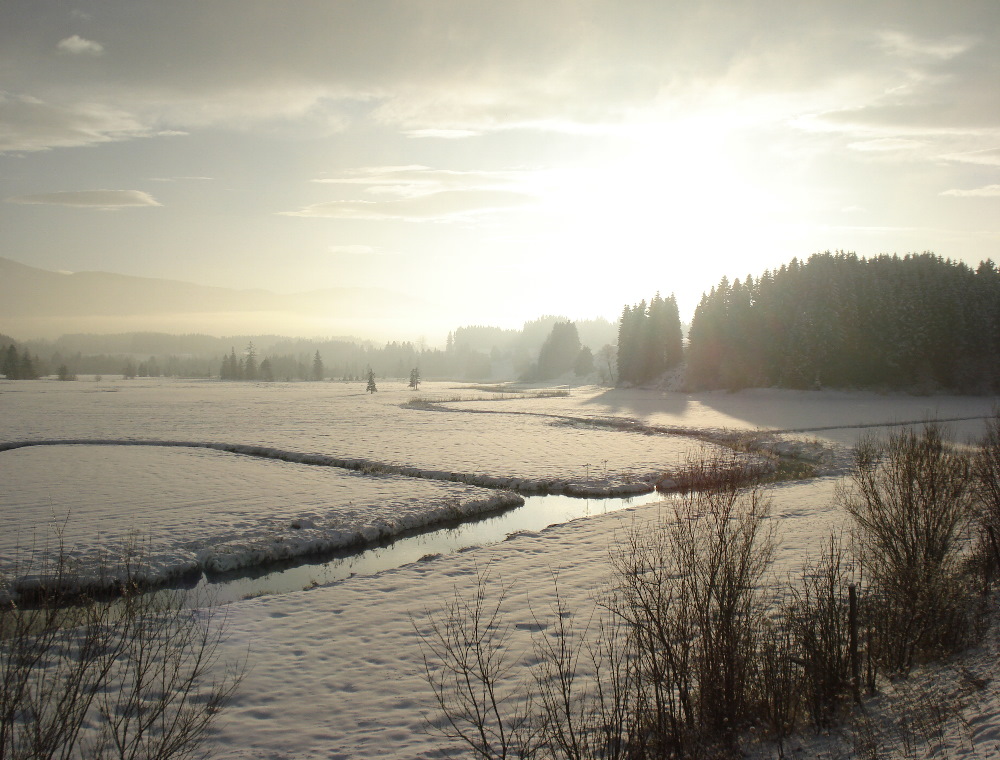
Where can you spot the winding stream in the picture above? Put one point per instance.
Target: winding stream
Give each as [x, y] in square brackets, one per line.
[538, 513]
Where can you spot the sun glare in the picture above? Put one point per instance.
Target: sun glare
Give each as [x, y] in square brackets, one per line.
[675, 198]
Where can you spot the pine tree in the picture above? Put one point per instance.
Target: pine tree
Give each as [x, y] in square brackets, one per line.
[371, 381]
[11, 363]
[415, 378]
[317, 368]
[266, 371]
[559, 351]
[28, 369]
[628, 343]
[673, 336]
[250, 365]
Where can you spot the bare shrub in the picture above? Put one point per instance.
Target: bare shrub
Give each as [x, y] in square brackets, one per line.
[986, 473]
[986, 470]
[910, 500]
[816, 615]
[718, 472]
[136, 677]
[585, 685]
[666, 668]
[468, 666]
[779, 701]
[688, 590]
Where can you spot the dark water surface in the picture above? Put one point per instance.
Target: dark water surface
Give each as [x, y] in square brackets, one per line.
[538, 513]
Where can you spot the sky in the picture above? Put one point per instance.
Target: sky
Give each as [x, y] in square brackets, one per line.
[499, 160]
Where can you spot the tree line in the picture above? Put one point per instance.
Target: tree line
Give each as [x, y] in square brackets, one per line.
[918, 321]
[19, 366]
[471, 353]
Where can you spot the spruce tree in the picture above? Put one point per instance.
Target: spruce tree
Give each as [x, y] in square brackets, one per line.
[28, 369]
[371, 381]
[250, 365]
[673, 336]
[266, 371]
[317, 368]
[559, 351]
[11, 363]
[415, 378]
[584, 364]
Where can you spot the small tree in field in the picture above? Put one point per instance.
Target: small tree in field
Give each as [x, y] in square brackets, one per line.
[414, 378]
[371, 388]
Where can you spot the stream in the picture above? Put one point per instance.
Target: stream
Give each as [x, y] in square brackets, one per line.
[538, 513]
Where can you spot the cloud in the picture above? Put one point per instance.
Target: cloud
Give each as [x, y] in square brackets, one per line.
[421, 193]
[177, 179]
[100, 199]
[454, 69]
[438, 206]
[987, 157]
[910, 46]
[77, 45]
[30, 124]
[885, 144]
[352, 250]
[444, 134]
[416, 180]
[989, 191]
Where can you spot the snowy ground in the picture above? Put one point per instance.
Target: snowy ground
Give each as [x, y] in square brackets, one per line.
[195, 509]
[336, 670]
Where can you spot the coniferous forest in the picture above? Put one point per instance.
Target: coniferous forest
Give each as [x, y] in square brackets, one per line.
[917, 322]
[650, 340]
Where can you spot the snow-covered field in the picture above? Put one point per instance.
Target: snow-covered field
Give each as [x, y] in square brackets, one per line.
[336, 670]
[196, 509]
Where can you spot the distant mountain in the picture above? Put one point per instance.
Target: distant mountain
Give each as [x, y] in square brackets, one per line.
[39, 303]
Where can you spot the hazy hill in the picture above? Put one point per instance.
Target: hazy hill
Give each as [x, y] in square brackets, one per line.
[39, 303]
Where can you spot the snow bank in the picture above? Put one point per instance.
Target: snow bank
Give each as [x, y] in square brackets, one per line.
[194, 510]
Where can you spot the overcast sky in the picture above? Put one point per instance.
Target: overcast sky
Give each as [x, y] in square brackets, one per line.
[505, 158]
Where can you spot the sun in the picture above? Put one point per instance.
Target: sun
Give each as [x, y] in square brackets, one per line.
[672, 211]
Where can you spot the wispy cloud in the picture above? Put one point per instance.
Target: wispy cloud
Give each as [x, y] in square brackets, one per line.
[883, 144]
[106, 200]
[438, 206]
[32, 124]
[989, 191]
[988, 157]
[352, 250]
[910, 46]
[77, 45]
[177, 179]
[415, 180]
[444, 134]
